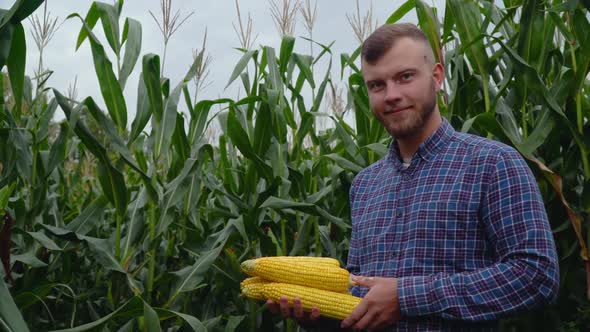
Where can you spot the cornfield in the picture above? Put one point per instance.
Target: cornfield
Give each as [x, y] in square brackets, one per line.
[119, 224]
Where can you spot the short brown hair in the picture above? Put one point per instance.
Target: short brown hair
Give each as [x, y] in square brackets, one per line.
[382, 39]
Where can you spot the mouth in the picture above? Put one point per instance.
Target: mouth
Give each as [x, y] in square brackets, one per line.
[397, 110]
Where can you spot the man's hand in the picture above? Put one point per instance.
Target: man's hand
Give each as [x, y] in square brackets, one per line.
[282, 307]
[379, 308]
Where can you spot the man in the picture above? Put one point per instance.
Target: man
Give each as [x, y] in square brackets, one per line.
[449, 230]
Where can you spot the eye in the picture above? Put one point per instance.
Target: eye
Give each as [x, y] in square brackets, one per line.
[374, 85]
[405, 77]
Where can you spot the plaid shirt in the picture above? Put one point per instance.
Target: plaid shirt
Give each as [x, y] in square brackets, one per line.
[463, 227]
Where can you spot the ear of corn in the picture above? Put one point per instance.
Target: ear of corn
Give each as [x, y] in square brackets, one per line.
[252, 288]
[299, 272]
[305, 259]
[331, 304]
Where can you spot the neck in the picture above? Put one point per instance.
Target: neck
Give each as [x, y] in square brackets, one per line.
[410, 144]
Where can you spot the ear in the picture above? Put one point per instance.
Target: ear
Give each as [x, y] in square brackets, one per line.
[438, 74]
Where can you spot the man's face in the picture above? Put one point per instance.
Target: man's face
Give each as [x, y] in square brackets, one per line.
[402, 88]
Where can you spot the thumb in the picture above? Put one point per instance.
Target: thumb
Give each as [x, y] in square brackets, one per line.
[363, 281]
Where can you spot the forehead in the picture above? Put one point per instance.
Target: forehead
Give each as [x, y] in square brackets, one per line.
[406, 53]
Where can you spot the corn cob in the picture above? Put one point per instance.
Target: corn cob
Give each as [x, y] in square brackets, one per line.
[306, 259]
[252, 288]
[320, 276]
[330, 304]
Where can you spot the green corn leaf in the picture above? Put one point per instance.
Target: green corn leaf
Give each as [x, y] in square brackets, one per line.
[304, 64]
[241, 140]
[195, 324]
[151, 319]
[349, 144]
[109, 86]
[175, 190]
[118, 143]
[164, 129]
[262, 131]
[321, 91]
[44, 241]
[57, 154]
[242, 64]
[468, 24]
[20, 10]
[326, 49]
[151, 78]
[190, 277]
[5, 44]
[91, 19]
[287, 45]
[109, 17]
[131, 308]
[530, 32]
[143, 111]
[344, 163]
[132, 37]
[200, 117]
[582, 32]
[89, 218]
[562, 27]
[11, 319]
[543, 128]
[111, 179]
[431, 27]
[401, 12]
[179, 138]
[274, 77]
[28, 258]
[5, 193]
[16, 63]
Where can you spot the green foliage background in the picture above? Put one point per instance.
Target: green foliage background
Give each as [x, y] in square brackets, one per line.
[144, 228]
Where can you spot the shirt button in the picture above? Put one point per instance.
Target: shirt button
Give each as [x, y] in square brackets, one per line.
[399, 213]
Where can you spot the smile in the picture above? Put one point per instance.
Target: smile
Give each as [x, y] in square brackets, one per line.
[397, 110]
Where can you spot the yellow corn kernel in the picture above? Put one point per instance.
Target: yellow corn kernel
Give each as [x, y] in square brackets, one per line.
[306, 259]
[320, 276]
[252, 280]
[331, 304]
[252, 288]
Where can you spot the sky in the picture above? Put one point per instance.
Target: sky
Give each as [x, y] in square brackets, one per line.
[217, 17]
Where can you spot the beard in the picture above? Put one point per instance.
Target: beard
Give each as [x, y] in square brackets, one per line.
[414, 120]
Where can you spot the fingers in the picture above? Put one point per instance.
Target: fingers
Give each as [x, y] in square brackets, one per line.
[285, 307]
[364, 281]
[365, 321]
[355, 316]
[273, 307]
[315, 314]
[297, 309]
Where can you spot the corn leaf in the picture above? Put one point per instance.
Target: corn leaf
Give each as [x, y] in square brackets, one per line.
[132, 39]
[109, 86]
[10, 317]
[16, 63]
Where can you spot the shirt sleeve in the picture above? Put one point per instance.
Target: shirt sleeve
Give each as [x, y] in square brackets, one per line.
[526, 272]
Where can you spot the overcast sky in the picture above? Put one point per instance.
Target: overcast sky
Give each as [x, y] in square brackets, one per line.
[217, 16]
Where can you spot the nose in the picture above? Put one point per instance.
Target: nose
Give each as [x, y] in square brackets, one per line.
[392, 93]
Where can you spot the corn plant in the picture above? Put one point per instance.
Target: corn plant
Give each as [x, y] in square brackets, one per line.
[140, 224]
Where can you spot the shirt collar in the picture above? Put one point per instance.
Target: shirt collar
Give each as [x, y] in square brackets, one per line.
[428, 149]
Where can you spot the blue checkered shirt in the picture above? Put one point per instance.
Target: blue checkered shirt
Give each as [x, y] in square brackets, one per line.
[464, 228]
